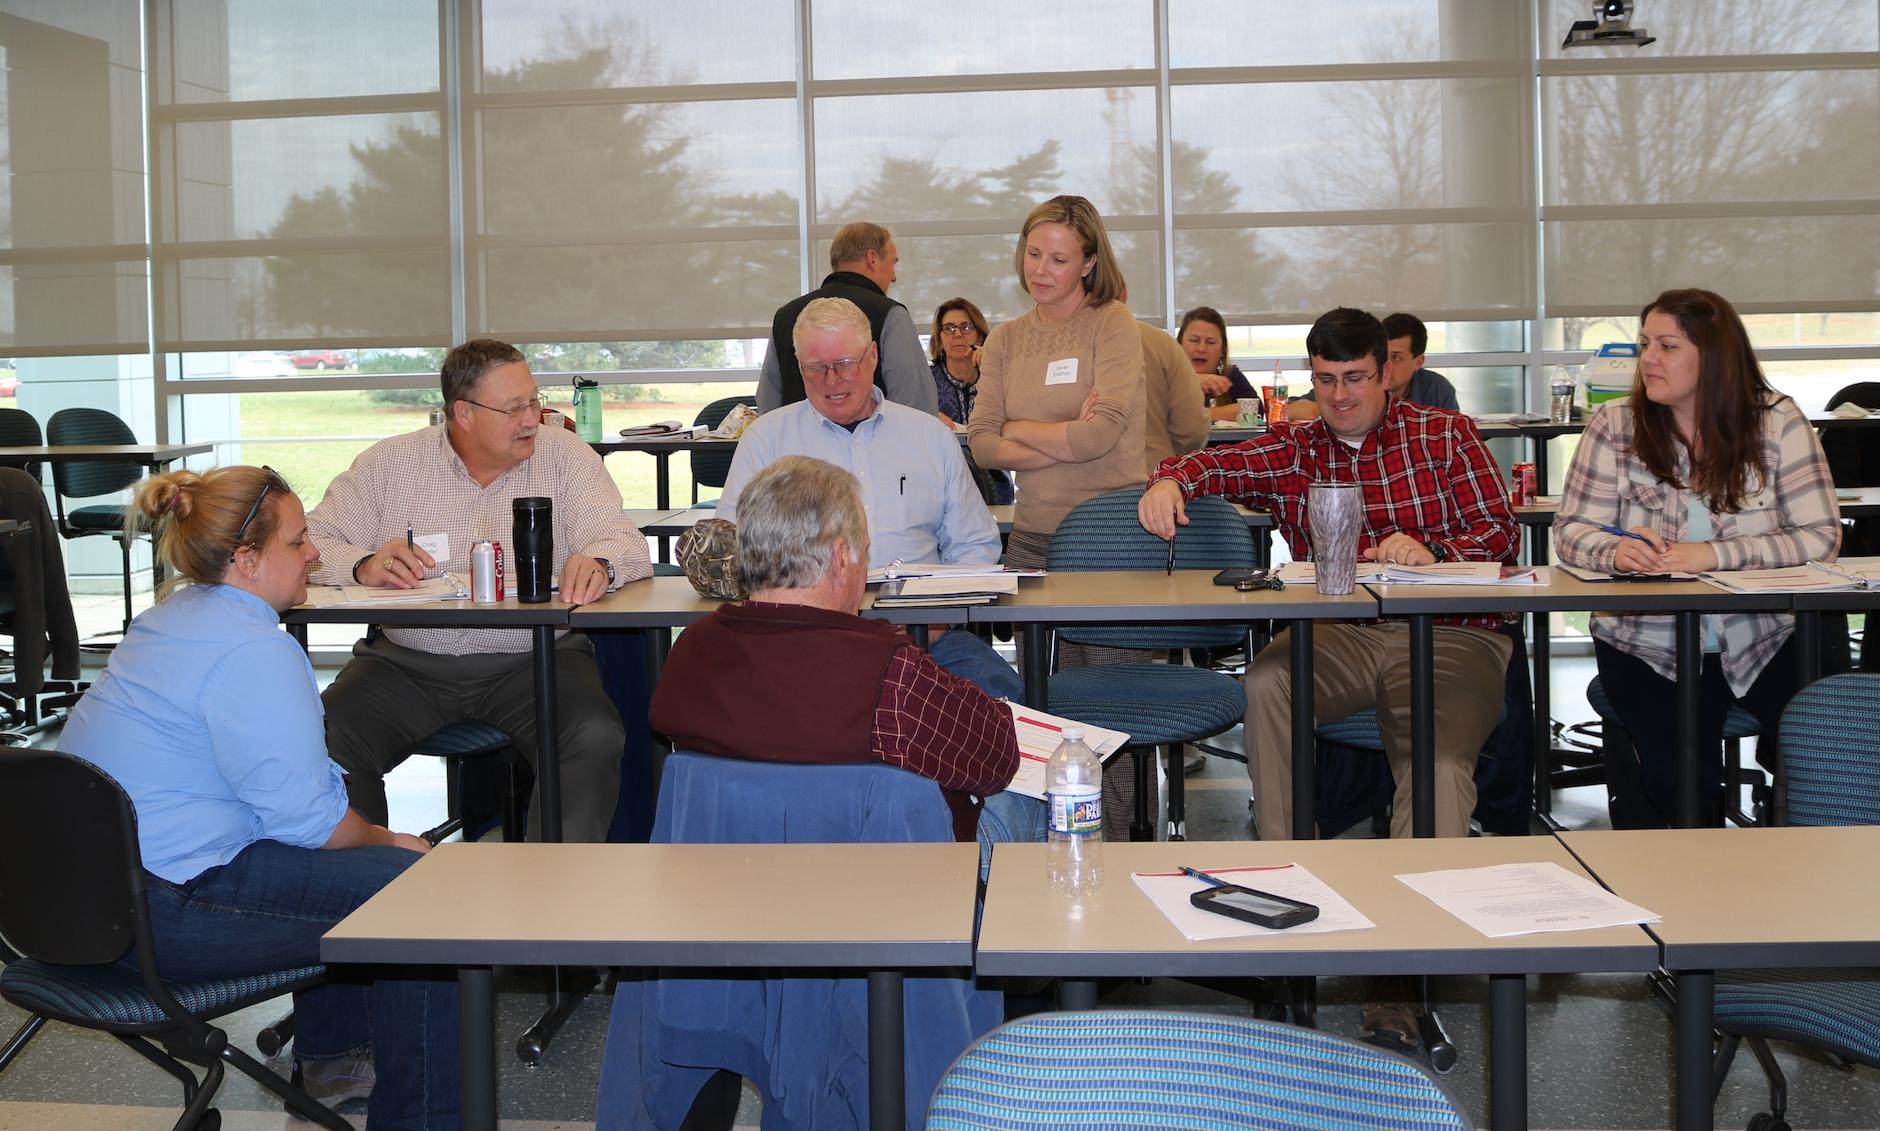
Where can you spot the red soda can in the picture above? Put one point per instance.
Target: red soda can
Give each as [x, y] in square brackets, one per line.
[1521, 485]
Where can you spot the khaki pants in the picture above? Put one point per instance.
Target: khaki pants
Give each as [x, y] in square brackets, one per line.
[1360, 666]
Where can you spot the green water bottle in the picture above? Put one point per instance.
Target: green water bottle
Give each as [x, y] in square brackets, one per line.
[587, 409]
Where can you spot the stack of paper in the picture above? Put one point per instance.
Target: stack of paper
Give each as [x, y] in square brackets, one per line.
[1440, 573]
[664, 428]
[1601, 575]
[1169, 891]
[1512, 418]
[1813, 577]
[945, 590]
[443, 588]
[1038, 738]
[1525, 899]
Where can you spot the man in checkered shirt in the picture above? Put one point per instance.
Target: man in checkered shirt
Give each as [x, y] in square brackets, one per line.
[450, 486]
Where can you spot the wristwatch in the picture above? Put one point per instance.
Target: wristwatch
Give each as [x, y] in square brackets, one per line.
[609, 567]
[1439, 551]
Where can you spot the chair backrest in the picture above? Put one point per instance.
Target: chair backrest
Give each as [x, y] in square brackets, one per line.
[82, 479]
[1104, 533]
[20, 429]
[1831, 751]
[709, 800]
[710, 468]
[1155, 1068]
[71, 877]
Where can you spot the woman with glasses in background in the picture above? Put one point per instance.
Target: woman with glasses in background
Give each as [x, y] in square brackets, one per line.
[959, 329]
[209, 717]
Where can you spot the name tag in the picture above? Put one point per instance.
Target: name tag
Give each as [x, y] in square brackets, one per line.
[436, 545]
[1061, 372]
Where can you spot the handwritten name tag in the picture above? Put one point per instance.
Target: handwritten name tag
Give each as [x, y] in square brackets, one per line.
[1061, 372]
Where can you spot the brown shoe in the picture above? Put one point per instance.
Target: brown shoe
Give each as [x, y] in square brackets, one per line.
[1391, 1025]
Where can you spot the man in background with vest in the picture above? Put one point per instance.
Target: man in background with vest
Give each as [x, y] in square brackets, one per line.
[863, 259]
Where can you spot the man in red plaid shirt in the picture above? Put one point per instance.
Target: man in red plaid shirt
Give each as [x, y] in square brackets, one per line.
[1432, 493]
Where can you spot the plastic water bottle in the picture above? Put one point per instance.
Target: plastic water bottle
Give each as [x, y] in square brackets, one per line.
[587, 409]
[1074, 802]
[1562, 407]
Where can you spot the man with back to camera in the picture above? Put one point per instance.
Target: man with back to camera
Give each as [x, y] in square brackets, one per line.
[1404, 375]
[1432, 493]
[863, 260]
[917, 492]
[448, 487]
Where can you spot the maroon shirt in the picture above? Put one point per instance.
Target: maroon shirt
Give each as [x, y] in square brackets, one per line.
[790, 683]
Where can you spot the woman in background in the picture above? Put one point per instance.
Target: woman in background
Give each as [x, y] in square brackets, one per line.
[209, 717]
[1203, 337]
[1704, 467]
[959, 329]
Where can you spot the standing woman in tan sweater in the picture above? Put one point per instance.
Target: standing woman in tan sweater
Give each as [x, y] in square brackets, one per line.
[1060, 387]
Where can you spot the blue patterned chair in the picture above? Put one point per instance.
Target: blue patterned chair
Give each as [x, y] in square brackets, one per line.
[72, 902]
[1155, 704]
[1125, 1068]
[1831, 752]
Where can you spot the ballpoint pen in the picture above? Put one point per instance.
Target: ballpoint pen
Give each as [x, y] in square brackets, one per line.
[1171, 553]
[1623, 533]
[1198, 874]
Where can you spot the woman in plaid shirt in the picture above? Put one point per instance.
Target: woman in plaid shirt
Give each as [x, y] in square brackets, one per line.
[1706, 467]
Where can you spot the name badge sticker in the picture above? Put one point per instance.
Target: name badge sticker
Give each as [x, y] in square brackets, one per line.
[436, 545]
[1061, 372]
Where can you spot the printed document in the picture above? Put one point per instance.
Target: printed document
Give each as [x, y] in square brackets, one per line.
[1525, 899]
[445, 587]
[1169, 891]
[1811, 577]
[1438, 573]
[1038, 737]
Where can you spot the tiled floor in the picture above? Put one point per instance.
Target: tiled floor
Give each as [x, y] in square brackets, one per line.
[1600, 1047]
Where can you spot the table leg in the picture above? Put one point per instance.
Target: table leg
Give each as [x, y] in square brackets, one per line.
[1691, 787]
[1540, 464]
[299, 633]
[1507, 1069]
[887, 1051]
[1543, 736]
[547, 741]
[1305, 752]
[1077, 993]
[1037, 666]
[917, 633]
[476, 1047]
[1422, 725]
[1695, 1098]
[662, 480]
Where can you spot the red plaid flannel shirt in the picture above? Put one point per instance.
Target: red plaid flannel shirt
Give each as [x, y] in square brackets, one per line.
[940, 726]
[1425, 472]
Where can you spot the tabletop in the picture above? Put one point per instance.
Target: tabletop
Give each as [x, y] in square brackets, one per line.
[1187, 595]
[1028, 929]
[1746, 897]
[703, 905]
[1566, 593]
[456, 614]
[140, 453]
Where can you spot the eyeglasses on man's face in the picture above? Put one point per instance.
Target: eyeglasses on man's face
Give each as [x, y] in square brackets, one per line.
[1330, 381]
[958, 329]
[843, 367]
[535, 403]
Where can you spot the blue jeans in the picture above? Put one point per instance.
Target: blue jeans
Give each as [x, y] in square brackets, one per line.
[1005, 816]
[265, 911]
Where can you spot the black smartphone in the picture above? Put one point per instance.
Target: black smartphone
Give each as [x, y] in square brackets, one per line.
[1233, 575]
[1259, 907]
[1621, 575]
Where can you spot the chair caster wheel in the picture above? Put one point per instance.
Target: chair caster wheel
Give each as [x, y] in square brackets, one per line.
[1767, 1121]
[211, 1121]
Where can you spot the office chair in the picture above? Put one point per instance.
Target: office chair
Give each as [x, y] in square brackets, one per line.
[20, 429]
[90, 480]
[1830, 733]
[1625, 797]
[1853, 461]
[1155, 704]
[709, 469]
[801, 1039]
[35, 609]
[72, 903]
[1154, 1068]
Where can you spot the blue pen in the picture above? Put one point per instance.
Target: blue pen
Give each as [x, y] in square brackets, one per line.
[1198, 874]
[1633, 534]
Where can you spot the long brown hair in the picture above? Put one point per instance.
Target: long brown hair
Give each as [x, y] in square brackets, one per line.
[1732, 395]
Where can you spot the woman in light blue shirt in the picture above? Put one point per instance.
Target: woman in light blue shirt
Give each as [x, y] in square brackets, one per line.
[209, 716]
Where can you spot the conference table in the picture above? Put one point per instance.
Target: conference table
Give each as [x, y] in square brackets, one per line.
[1807, 906]
[1030, 930]
[476, 906]
[153, 456]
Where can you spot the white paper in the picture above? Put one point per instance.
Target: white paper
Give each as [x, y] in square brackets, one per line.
[1439, 573]
[1169, 891]
[443, 588]
[1061, 372]
[436, 545]
[1038, 737]
[898, 569]
[1525, 899]
[1808, 578]
[954, 585]
[1512, 418]
[1602, 575]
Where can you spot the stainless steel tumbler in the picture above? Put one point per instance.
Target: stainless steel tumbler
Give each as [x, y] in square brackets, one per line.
[1334, 513]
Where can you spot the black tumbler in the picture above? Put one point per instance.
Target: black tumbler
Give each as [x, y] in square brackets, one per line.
[534, 542]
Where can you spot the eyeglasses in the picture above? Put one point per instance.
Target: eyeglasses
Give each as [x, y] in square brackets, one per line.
[843, 367]
[273, 479]
[958, 328]
[537, 402]
[1330, 381]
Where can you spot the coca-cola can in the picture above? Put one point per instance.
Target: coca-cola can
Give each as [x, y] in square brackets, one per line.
[1521, 486]
[486, 573]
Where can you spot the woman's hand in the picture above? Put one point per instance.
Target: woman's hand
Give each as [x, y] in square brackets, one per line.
[1090, 406]
[1214, 384]
[1689, 557]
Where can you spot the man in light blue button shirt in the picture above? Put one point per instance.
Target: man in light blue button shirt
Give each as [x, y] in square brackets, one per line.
[919, 496]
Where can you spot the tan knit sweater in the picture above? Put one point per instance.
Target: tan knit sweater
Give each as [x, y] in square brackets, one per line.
[1175, 414]
[1108, 448]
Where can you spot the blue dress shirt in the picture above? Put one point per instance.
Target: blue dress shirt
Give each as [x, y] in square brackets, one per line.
[209, 716]
[920, 499]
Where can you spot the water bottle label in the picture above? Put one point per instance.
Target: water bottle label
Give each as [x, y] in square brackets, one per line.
[1078, 813]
